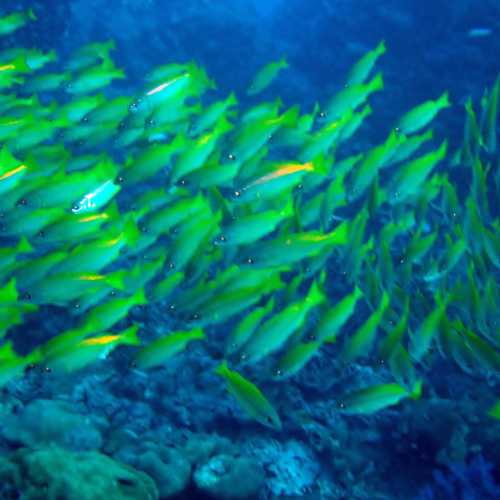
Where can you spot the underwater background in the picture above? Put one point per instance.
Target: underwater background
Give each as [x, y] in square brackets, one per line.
[240, 259]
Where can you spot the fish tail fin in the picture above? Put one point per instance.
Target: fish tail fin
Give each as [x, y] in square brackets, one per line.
[139, 297]
[117, 279]
[283, 62]
[130, 337]
[222, 369]
[131, 232]
[232, 99]
[198, 334]
[441, 152]
[380, 48]
[320, 165]
[416, 391]
[24, 246]
[32, 15]
[444, 101]
[290, 117]
[377, 83]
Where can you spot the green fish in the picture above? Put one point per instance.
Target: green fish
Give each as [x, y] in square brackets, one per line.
[335, 317]
[13, 365]
[266, 75]
[362, 68]
[70, 357]
[161, 350]
[295, 359]
[105, 315]
[245, 329]
[375, 398]
[409, 179]
[420, 116]
[16, 20]
[292, 248]
[353, 96]
[90, 54]
[360, 343]
[275, 332]
[94, 78]
[250, 398]
[494, 411]
[421, 339]
[212, 114]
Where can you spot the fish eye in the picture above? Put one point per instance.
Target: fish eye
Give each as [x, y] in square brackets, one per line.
[172, 307]
[231, 157]
[278, 372]
[249, 260]
[113, 293]
[47, 369]
[133, 363]
[22, 202]
[171, 265]
[26, 296]
[41, 234]
[77, 305]
[322, 114]
[237, 194]
[120, 180]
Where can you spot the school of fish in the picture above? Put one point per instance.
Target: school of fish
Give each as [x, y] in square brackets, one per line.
[242, 224]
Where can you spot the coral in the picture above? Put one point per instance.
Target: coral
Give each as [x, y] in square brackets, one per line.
[225, 477]
[52, 473]
[291, 468]
[44, 422]
[472, 481]
[167, 465]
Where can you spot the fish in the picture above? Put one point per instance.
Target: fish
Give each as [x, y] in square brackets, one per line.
[420, 116]
[292, 248]
[249, 397]
[13, 365]
[362, 68]
[352, 96]
[372, 399]
[420, 340]
[73, 356]
[89, 54]
[494, 411]
[160, 351]
[295, 359]
[479, 32]
[409, 178]
[105, 315]
[266, 75]
[12, 22]
[94, 78]
[245, 329]
[335, 317]
[275, 332]
[361, 341]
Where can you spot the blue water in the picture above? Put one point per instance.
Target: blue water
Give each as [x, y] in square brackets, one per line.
[174, 422]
